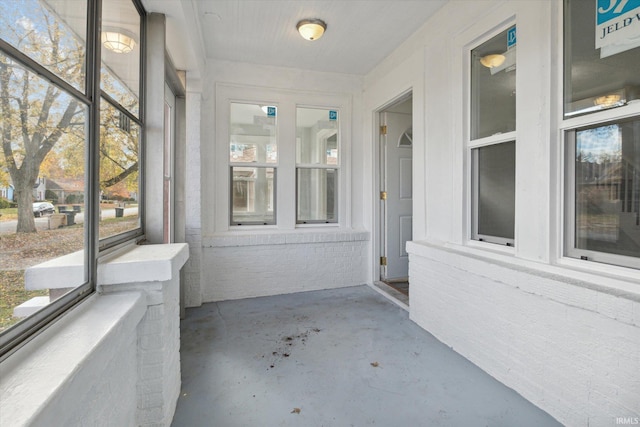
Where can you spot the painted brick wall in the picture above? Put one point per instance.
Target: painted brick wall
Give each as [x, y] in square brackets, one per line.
[192, 269]
[565, 345]
[259, 265]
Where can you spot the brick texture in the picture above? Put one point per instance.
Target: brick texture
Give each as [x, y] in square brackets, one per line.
[572, 350]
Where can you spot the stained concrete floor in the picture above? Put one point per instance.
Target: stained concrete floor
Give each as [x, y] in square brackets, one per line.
[345, 357]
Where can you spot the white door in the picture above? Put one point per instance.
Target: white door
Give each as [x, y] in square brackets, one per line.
[397, 183]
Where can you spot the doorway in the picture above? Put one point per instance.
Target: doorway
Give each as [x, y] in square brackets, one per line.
[396, 196]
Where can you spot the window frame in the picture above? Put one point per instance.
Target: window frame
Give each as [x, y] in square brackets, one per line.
[320, 166]
[286, 102]
[471, 169]
[93, 249]
[568, 126]
[569, 221]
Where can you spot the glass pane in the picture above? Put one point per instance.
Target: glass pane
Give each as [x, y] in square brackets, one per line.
[596, 78]
[120, 72]
[316, 136]
[252, 195]
[252, 135]
[493, 86]
[51, 33]
[119, 178]
[317, 195]
[495, 186]
[42, 188]
[608, 189]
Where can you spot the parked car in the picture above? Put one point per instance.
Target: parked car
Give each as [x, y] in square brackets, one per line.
[42, 208]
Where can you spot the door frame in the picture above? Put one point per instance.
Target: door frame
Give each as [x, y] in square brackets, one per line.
[378, 208]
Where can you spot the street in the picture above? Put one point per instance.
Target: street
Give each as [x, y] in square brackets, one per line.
[43, 223]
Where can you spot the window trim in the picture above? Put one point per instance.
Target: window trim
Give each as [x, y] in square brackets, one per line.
[472, 238]
[287, 101]
[21, 333]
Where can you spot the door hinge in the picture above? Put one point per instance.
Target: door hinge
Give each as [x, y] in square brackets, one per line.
[383, 195]
[383, 260]
[383, 130]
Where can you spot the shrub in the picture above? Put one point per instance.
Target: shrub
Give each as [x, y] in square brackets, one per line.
[51, 195]
[4, 203]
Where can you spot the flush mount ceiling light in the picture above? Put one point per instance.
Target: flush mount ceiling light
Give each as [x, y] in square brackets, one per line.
[311, 29]
[493, 60]
[118, 40]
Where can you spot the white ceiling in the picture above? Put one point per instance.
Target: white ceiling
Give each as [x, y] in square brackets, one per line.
[360, 33]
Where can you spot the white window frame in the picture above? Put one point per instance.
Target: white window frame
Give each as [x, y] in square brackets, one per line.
[473, 238]
[286, 102]
[312, 166]
[568, 253]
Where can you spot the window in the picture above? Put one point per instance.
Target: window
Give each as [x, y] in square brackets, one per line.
[604, 197]
[316, 165]
[253, 153]
[493, 197]
[54, 135]
[602, 148]
[492, 139]
[281, 162]
[601, 65]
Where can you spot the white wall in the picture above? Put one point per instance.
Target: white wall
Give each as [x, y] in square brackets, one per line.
[563, 334]
[254, 261]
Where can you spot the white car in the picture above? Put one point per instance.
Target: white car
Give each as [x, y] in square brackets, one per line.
[42, 208]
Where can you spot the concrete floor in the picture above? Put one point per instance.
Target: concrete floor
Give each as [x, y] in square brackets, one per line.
[345, 357]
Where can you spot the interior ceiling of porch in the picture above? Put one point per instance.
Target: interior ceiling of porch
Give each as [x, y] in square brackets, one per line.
[359, 35]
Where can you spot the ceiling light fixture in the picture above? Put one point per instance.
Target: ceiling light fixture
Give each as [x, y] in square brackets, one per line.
[311, 29]
[118, 40]
[493, 60]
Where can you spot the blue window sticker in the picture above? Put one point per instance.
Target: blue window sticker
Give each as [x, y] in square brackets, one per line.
[511, 37]
[333, 115]
[271, 111]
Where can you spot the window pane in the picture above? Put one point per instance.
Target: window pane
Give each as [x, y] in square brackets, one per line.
[317, 195]
[494, 188]
[316, 136]
[607, 176]
[253, 134]
[119, 178]
[51, 33]
[252, 195]
[493, 87]
[120, 72]
[597, 78]
[42, 188]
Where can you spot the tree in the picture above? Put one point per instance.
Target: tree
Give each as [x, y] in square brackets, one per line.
[37, 115]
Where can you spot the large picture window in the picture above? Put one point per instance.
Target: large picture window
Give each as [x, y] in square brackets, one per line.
[57, 126]
[492, 139]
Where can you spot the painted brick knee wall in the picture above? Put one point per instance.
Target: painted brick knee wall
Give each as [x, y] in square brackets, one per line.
[571, 350]
[252, 266]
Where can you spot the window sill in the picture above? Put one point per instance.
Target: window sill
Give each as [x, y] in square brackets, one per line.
[46, 366]
[271, 237]
[613, 280]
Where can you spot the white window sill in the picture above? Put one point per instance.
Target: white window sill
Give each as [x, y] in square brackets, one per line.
[271, 237]
[47, 366]
[613, 280]
[135, 263]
